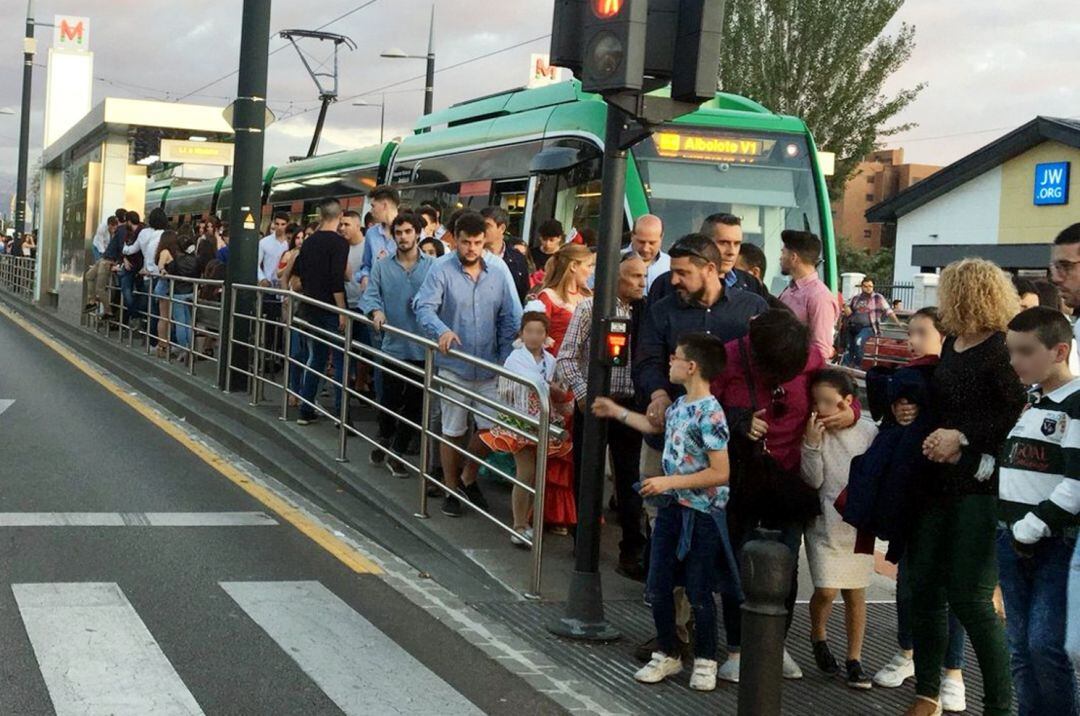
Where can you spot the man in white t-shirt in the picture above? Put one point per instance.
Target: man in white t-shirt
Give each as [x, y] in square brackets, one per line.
[271, 248]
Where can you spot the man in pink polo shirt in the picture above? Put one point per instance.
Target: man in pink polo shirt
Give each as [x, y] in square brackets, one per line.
[807, 295]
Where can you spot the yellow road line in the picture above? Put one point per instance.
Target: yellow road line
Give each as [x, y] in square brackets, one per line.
[325, 538]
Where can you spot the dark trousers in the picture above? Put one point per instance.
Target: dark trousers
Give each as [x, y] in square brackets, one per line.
[954, 654]
[698, 570]
[625, 453]
[272, 334]
[317, 365]
[132, 303]
[791, 536]
[403, 398]
[953, 560]
[1036, 590]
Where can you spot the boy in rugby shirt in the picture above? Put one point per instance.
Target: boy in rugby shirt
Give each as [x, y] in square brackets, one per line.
[1039, 498]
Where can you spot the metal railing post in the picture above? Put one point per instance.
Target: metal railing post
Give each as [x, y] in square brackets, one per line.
[149, 308]
[346, 363]
[425, 425]
[544, 419]
[171, 324]
[192, 335]
[231, 339]
[287, 315]
[256, 353]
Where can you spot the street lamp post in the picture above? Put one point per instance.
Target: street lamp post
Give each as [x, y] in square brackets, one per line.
[429, 84]
[382, 113]
[24, 126]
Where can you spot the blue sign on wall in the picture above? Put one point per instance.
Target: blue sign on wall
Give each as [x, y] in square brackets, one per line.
[1051, 183]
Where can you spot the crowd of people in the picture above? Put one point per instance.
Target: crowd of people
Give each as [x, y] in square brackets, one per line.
[25, 245]
[732, 414]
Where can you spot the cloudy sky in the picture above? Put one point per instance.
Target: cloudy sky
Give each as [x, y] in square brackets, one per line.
[990, 64]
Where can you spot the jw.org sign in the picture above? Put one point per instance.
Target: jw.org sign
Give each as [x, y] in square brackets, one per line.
[1051, 183]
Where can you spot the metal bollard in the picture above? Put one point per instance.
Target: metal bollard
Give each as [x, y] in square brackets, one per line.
[765, 568]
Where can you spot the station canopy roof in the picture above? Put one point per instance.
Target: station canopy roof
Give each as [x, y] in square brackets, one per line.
[144, 122]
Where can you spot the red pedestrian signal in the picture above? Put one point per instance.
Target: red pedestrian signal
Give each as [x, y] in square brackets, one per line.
[616, 342]
[606, 9]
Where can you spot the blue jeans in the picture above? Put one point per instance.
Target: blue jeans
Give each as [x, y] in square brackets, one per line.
[181, 315]
[1072, 630]
[954, 654]
[132, 303]
[698, 570]
[1036, 594]
[299, 348]
[97, 254]
[857, 338]
[317, 364]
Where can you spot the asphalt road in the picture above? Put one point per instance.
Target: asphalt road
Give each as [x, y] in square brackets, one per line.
[136, 579]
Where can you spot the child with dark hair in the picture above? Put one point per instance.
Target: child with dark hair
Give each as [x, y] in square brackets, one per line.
[432, 247]
[830, 543]
[687, 534]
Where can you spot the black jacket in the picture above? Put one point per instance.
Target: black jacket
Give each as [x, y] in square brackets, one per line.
[519, 269]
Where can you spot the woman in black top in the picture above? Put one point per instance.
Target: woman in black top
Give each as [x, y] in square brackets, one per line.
[952, 556]
[184, 265]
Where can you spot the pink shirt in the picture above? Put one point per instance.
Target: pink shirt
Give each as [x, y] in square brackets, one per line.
[814, 304]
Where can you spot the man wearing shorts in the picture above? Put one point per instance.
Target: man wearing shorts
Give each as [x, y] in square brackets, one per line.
[468, 305]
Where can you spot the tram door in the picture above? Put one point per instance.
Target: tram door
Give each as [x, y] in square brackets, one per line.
[512, 195]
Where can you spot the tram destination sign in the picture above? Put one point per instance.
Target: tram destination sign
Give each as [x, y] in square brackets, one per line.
[710, 147]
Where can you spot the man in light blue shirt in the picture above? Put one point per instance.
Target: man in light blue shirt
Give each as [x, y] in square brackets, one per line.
[468, 302]
[392, 284]
[379, 239]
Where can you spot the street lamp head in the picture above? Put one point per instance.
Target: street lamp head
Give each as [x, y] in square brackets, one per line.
[395, 54]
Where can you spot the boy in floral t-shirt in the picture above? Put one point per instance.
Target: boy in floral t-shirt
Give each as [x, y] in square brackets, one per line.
[694, 485]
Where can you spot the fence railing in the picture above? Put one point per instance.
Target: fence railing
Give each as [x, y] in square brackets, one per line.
[17, 275]
[171, 324]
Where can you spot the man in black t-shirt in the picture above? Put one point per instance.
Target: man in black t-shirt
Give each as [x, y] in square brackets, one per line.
[321, 266]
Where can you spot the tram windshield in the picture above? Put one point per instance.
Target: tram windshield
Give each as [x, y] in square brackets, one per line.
[764, 178]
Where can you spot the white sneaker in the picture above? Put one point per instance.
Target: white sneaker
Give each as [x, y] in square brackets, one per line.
[730, 670]
[522, 538]
[953, 695]
[896, 672]
[661, 667]
[704, 676]
[791, 669]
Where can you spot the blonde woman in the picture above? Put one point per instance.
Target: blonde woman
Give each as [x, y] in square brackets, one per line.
[566, 284]
[976, 398]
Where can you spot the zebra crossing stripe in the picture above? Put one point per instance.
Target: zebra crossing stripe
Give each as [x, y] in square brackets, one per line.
[358, 667]
[95, 653]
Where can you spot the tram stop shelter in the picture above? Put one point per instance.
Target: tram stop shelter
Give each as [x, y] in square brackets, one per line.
[101, 164]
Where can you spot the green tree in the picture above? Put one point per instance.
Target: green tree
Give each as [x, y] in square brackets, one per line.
[878, 264]
[825, 61]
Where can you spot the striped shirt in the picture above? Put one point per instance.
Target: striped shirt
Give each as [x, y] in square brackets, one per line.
[1040, 462]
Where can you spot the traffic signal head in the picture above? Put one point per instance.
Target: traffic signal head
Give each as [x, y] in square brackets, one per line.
[697, 50]
[613, 42]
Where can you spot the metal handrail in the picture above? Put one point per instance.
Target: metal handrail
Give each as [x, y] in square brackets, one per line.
[18, 275]
[433, 386]
[249, 333]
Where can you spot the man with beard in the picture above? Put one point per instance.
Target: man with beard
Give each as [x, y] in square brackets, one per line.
[468, 302]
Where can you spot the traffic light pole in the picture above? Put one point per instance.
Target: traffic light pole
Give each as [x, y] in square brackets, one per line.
[584, 616]
[249, 120]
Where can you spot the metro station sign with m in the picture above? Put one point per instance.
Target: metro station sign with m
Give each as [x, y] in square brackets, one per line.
[1051, 183]
[71, 33]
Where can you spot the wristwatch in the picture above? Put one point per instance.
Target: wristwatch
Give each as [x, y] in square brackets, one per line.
[625, 415]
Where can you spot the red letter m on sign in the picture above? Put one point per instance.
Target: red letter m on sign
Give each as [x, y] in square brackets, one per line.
[71, 34]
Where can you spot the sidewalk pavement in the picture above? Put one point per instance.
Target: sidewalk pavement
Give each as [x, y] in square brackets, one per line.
[608, 667]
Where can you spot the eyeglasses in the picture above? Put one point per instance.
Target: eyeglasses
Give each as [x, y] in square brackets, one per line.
[680, 250]
[778, 407]
[1062, 266]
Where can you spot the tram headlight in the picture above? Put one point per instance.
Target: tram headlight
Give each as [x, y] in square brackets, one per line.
[791, 150]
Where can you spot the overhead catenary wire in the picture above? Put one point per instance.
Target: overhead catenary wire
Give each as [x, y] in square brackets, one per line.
[276, 50]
